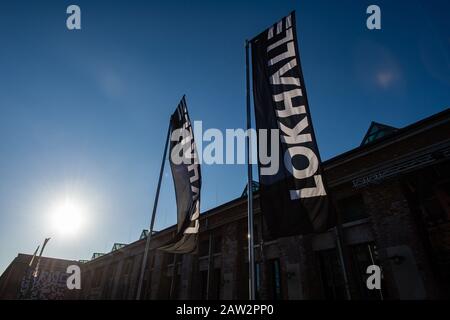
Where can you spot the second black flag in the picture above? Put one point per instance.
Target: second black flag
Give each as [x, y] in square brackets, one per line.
[187, 180]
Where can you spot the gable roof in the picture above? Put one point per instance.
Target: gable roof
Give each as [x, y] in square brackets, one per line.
[118, 246]
[255, 188]
[433, 120]
[377, 131]
[96, 255]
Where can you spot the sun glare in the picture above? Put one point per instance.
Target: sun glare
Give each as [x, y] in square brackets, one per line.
[67, 216]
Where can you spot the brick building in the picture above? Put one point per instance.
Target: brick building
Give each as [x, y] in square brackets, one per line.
[393, 198]
[17, 282]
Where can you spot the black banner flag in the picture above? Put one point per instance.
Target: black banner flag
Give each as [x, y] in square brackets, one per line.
[36, 270]
[294, 198]
[187, 180]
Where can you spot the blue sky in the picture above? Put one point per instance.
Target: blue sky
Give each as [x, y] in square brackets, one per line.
[85, 113]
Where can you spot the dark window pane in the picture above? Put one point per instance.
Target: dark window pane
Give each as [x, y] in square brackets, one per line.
[277, 279]
[217, 244]
[216, 285]
[331, 275]
[274, 279]
[203, 284]
[203, 248]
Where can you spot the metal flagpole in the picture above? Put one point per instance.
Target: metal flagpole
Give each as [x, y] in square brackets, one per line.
[251, 255]
[152, 223]
[340, 243]
[210, 262]
[373, 262]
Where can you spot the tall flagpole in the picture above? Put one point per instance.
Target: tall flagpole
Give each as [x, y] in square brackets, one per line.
[251, 255]
[339, 244]
[152, 223]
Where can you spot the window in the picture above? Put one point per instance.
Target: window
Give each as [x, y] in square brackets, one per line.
[375, 135]
[164, 286]
[214, 290]
[203, 248]
[331, 275]
[256, 238]
[87, 284]
[277, 279]
[274, 279]
[107, 292]
[175, 287]
[98, 274]
[217, 247]
[352, 208]
[203, 284]
[258, 281]
[125, 281]
[242, 277]
[377, 131]
[216, 285]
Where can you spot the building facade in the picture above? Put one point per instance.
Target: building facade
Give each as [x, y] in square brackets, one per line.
[50, 283]
[392, 196]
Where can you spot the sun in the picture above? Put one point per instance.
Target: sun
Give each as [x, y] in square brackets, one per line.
[68, 216]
